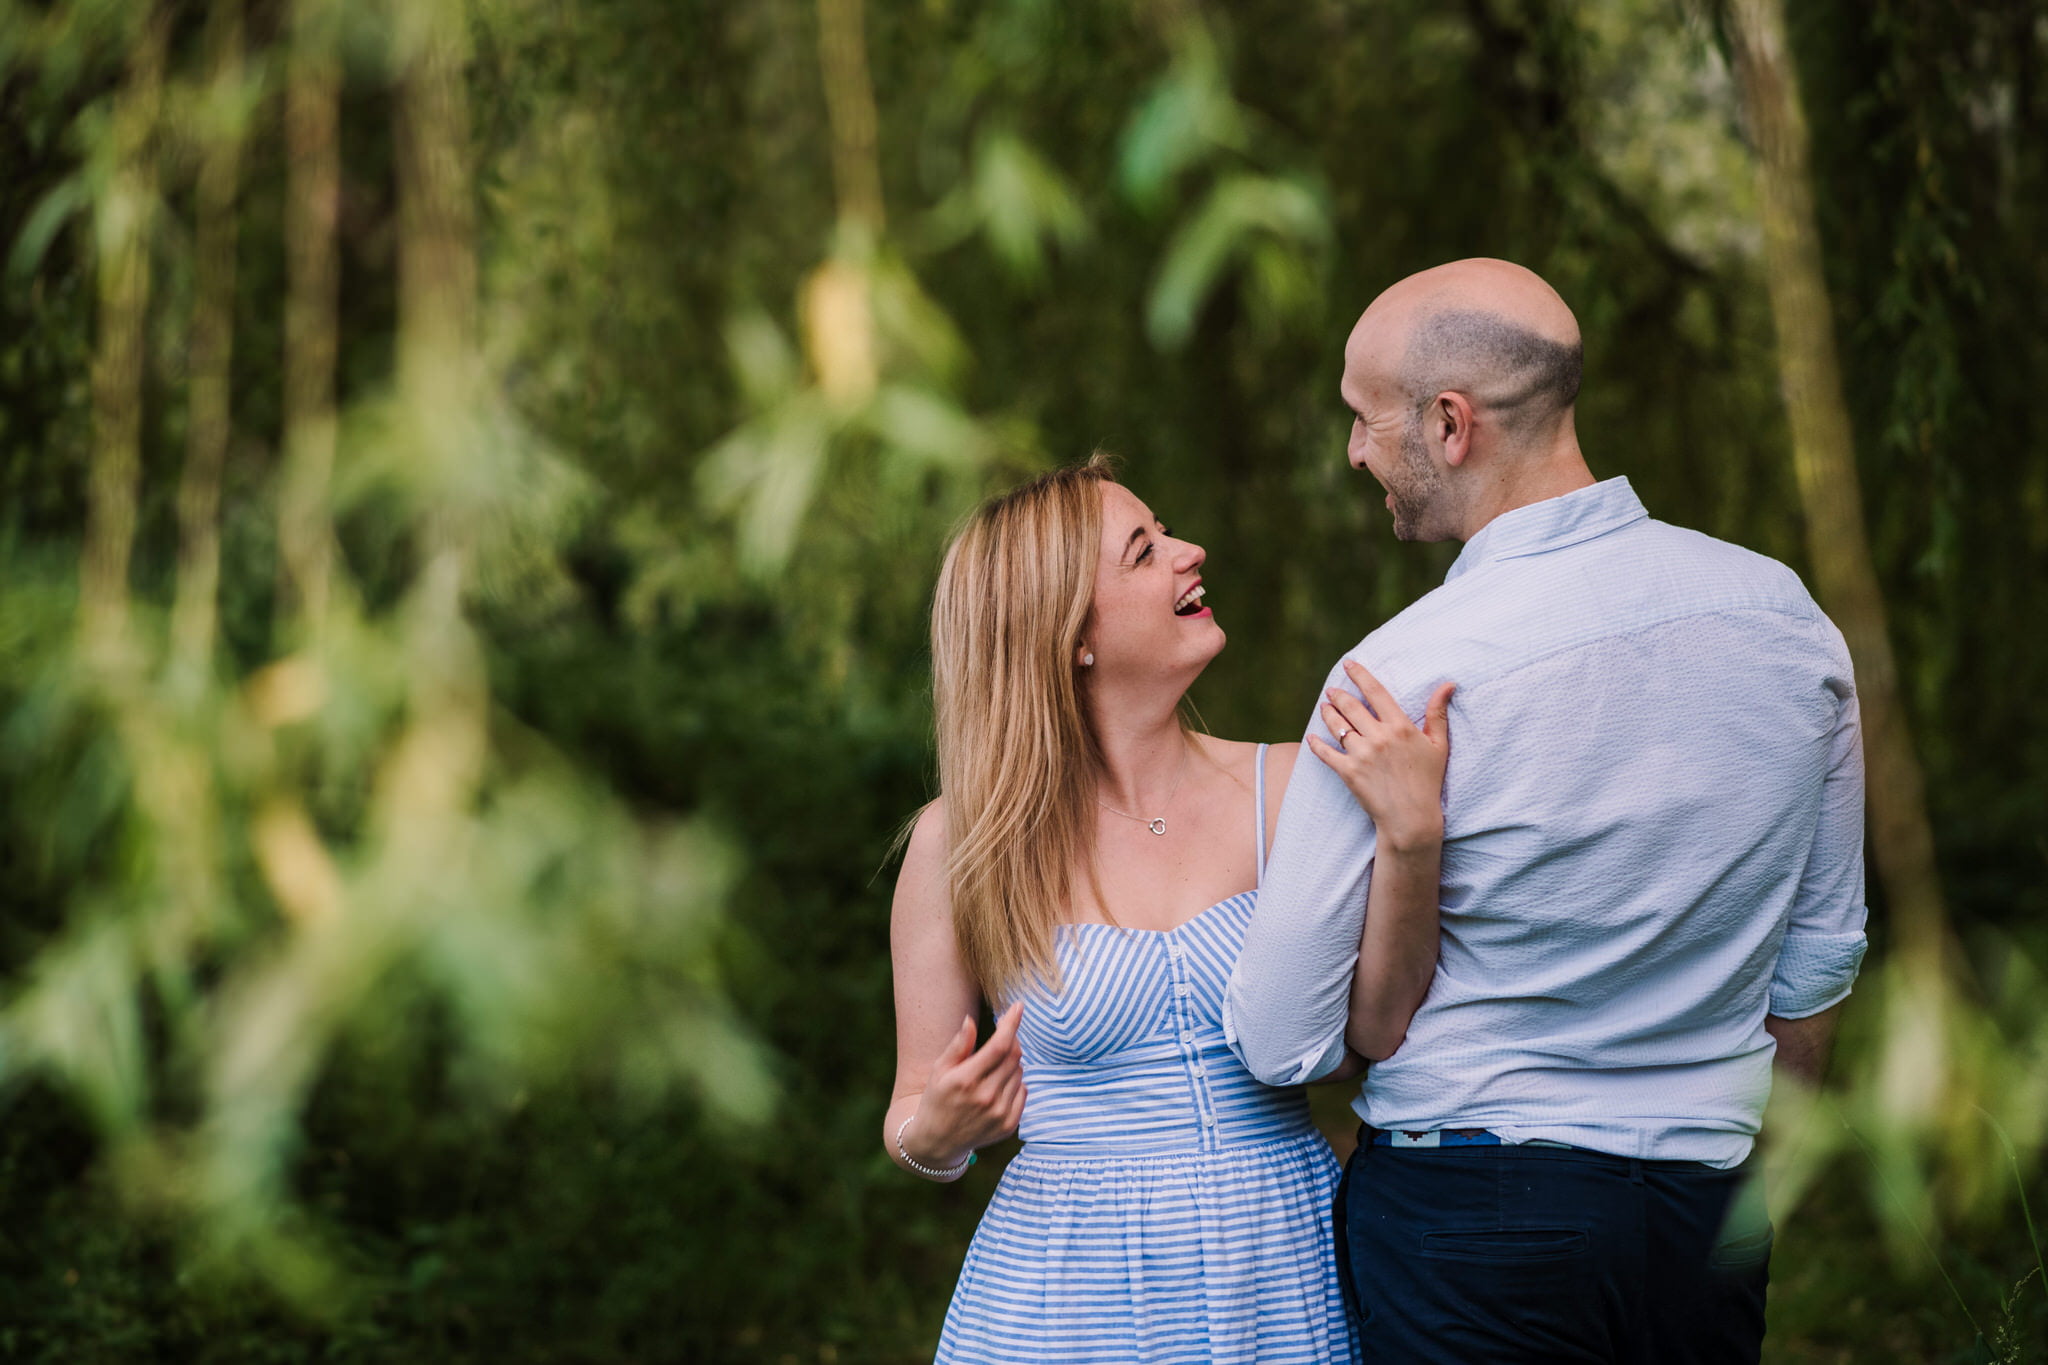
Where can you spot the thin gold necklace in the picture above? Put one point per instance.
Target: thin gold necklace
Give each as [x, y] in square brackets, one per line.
[1157, 824]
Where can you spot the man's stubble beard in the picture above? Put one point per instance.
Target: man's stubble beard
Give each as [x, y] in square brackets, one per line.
[1417, 488]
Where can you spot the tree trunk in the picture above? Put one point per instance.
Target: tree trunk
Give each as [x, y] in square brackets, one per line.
[850, 107]
[124, 221]
[1824, 459]
[193, 614]
[312, 117]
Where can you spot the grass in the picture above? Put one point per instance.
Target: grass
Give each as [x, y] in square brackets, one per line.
[1839, 1297]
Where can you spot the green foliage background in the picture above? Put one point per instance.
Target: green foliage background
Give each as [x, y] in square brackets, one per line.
[710, 533]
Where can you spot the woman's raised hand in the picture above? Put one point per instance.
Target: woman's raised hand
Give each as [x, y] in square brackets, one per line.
[1394, 768]
[975, 1095]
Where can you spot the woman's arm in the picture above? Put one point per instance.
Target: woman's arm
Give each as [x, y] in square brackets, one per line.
[952, 1096]
[1397, 952]
[1396, 772]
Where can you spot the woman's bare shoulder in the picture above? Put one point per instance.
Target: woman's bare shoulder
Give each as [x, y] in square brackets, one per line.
[1236, 756]
[1233, 756]
[1280, 759]
[928, 832]
[1279, 768]
[921, 880]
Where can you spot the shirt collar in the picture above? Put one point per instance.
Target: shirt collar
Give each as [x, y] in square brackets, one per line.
[1552, 524]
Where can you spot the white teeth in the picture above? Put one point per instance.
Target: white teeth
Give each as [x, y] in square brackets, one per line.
[1191, 596]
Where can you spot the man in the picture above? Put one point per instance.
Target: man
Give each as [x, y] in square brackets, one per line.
[1652, 873]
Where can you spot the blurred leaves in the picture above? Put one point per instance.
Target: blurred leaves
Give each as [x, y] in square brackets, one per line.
[863, 316]
[1025, 204]
[335, 833]
[1187, 117]
[67, 198]
[1276, 226]
[1022, 206]
[765, 475]
[440, 952]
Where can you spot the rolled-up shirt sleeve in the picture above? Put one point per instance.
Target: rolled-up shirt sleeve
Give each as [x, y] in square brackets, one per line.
[1289, 997]
[1824, 940]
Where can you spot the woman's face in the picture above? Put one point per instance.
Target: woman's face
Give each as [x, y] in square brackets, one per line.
[1143, 574]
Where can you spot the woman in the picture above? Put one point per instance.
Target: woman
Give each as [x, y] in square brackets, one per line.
[1088, 871]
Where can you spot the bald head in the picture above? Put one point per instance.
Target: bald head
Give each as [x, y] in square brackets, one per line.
[1463, 378]
[1488, 329]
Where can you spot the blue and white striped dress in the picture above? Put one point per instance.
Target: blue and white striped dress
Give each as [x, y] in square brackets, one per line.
[1166, 1207]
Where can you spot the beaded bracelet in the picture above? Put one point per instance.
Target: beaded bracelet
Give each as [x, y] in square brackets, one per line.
[947, 1173]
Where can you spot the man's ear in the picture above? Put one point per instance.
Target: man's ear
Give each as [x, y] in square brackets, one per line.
[1452, 416]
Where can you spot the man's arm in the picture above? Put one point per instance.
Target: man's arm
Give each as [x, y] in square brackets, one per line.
[1824, 940]
[1803, 1043]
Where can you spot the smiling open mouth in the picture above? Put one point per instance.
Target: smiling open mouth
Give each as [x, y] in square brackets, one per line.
[1190, 602]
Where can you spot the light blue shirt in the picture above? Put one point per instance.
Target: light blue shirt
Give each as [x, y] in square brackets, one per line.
[1653, 837]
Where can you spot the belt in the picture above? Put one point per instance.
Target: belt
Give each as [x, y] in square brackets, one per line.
[1452, 1137]
[1438, 1137]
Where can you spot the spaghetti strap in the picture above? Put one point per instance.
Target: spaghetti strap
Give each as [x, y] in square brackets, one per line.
[1259, 812]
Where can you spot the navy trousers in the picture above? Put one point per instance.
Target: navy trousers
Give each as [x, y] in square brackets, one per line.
[1506, 1255]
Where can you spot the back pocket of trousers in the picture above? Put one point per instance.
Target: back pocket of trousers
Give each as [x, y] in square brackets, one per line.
[1505, 1245]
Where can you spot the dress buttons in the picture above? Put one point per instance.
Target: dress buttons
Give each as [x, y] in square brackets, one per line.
[1201, 1070]
[1187, 1035]
[1173, 950]
[1208, 1120]
[1180, 988]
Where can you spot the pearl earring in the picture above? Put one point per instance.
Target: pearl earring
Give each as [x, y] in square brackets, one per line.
[1087, 661]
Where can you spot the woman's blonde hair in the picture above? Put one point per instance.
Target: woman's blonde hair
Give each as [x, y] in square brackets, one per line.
[1018, 760]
